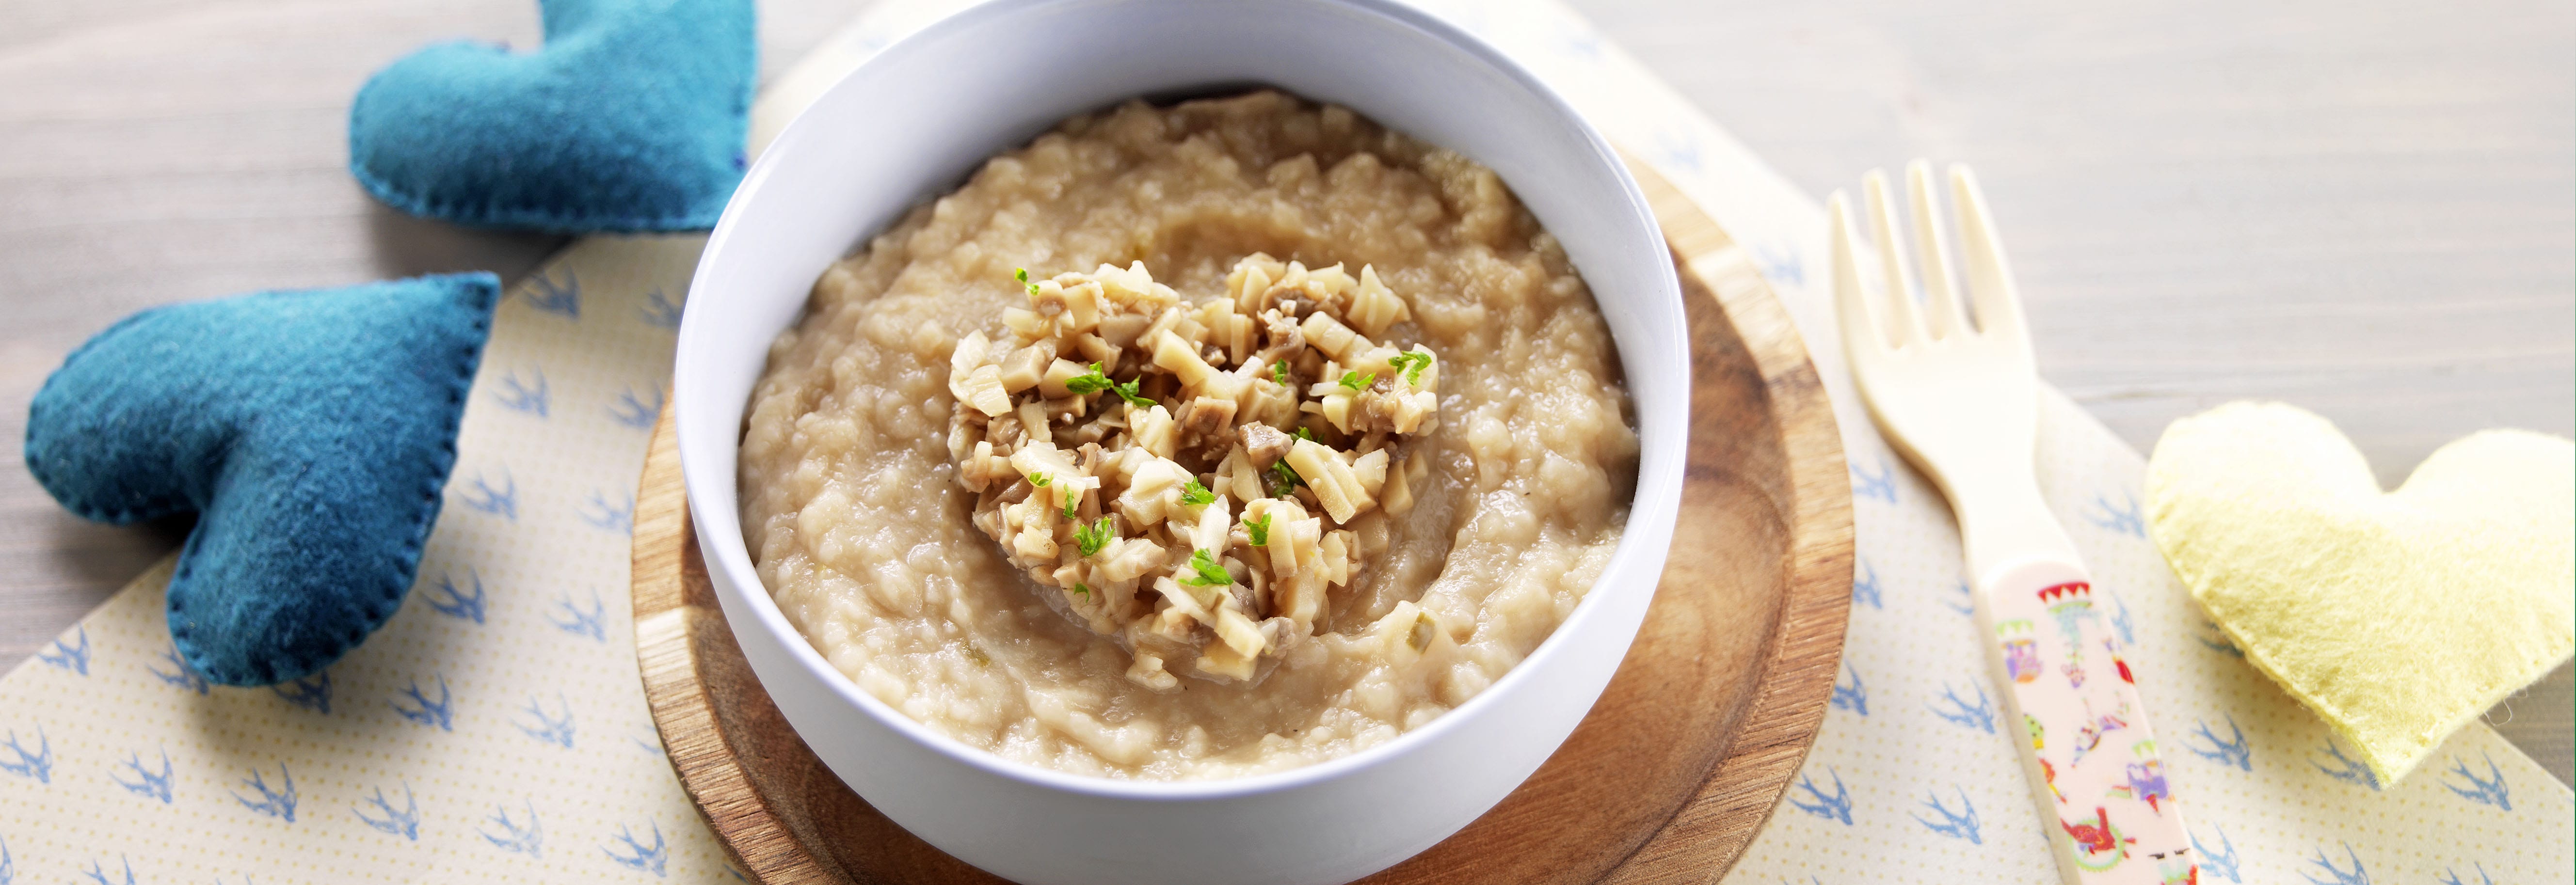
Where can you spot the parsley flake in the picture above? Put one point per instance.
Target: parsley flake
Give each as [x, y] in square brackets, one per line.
[1090, 382]
[1411, 363]
[1095, 381]
[1284, 479]
[1040, 479]
[1358, 380]
[1084, 589]
[1210, 574]
[1279, 370]
[1422, 634]
[1195, 495]
[1022, 274]
[1128, 392]
[1260, 530]
[1090, 538]
[1304, 433]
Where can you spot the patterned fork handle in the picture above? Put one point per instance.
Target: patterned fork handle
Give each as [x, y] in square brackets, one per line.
[2087, 751]
[1960, 401]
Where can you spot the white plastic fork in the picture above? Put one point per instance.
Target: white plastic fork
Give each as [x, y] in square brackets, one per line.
[1960, 401]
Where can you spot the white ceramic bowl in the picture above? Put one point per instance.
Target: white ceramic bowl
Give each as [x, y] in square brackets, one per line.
[908, 125]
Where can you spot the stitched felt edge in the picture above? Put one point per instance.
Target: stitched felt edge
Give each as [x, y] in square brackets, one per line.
[2418, 747]
[39, 444]
[485, 288]
[542, 218]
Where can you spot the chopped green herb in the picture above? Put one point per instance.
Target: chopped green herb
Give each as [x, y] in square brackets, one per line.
[1128, 392]
[1419, 638]
[1284, 479]
[1358, 380]
[1022, 274]
[1072, 502]
[1090, 382]
[1090, 538]
[1411, 363]
[1211, 574]
[1195, 495]
[1095, 381]
[1084, 589]
[1279, 370]
[1305, 433]
[1260, 530]
[1040, 479]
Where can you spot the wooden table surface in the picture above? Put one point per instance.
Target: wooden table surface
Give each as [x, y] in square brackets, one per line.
[2367, 209]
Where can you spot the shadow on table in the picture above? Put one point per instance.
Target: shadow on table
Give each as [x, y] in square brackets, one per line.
[2542, 721]
[408, 247]
[65, 566]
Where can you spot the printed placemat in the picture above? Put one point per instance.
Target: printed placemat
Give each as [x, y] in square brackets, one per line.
[495, 730]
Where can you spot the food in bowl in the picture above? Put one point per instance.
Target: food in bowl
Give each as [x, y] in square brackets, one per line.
[1093, 485]
[1474, 492]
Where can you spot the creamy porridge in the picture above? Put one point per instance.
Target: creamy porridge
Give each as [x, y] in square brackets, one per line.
[1424, 521]
[1203, 508]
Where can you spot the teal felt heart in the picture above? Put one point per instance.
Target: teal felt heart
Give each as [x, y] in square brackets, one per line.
[631, 118]
[310, 431]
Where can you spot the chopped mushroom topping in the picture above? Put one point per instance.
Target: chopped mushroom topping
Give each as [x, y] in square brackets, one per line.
[1186, 475]
[1265, 444]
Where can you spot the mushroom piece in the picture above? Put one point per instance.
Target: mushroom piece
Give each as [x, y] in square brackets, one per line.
[1126, 450]
[1265, 444]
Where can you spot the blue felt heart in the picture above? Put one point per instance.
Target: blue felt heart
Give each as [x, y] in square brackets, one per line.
[311, 432]
[631, 118]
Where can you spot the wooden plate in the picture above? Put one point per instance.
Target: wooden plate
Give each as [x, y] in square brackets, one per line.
[1668, 779]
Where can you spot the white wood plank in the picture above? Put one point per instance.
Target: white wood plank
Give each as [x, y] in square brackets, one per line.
[2367, 209]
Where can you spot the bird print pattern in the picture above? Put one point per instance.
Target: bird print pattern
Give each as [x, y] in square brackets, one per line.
[448, 747]
[1890, 797]
[422, 768]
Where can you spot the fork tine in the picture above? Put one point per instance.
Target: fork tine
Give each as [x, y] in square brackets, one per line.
[1941, 317]
[1862, 339]
[1902, 327]
[1990, 279]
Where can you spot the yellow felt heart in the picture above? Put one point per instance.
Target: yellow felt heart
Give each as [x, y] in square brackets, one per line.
[2396, 616]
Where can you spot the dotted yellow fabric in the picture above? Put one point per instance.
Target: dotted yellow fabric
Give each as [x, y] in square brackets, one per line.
[2398, 616]
[1911, 780]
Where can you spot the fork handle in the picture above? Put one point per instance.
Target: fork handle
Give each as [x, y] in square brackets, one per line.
[2086, 749]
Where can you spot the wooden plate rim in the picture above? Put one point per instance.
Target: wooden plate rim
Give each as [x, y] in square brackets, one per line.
[1703, 838]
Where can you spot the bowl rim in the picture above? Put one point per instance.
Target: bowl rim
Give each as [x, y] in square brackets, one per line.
[732, 554]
